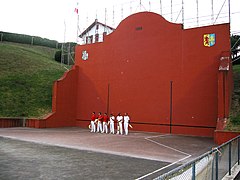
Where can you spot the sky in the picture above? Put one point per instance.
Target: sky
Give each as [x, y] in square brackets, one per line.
[56, 19]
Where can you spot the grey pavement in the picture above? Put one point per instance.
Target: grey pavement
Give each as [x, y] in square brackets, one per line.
[75, 153]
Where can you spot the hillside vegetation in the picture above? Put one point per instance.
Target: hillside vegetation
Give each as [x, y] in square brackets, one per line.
[234, 123]
[27, 74]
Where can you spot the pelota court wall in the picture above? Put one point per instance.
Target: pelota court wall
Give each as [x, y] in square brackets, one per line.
[158, 72]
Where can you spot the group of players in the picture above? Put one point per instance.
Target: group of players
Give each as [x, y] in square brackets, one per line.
[100, 123]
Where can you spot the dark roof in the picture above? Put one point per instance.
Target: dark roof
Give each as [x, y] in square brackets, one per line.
[92, 25]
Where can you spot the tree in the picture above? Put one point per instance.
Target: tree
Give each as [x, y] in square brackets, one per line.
[235, 41]
[235, 48]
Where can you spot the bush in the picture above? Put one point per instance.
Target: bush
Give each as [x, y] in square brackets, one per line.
[58, 55]
[236, 120]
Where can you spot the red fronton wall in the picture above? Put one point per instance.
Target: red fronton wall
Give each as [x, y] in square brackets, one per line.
[64, 101]
[162, 75]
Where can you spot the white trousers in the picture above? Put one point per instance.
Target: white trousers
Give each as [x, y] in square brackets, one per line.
[105, 128]
[120, 128]
[126, 128]
[93, 127]
[99, 126]
[112, 127]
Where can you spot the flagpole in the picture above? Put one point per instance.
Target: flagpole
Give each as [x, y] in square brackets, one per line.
[77, 27]
[76, 11]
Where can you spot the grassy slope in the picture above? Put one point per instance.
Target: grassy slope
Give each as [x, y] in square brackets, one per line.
[26, 78]
[234, 124]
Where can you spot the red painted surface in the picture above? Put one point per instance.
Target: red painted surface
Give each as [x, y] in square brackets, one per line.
[64, 101]
[18, 122]
[36, 123]
[10, 122]
[132, 71]
[221, 137]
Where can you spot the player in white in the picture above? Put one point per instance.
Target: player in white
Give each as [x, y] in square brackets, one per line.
[93, 118]
[126, 120]
[105, 123]
[99, 122]
[119, 121]
[111, 121]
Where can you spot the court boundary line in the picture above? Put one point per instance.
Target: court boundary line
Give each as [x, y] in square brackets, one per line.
[169, 165]
[160, 144]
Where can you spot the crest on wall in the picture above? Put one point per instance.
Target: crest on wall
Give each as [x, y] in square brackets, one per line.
[209, 40]
[84, 55]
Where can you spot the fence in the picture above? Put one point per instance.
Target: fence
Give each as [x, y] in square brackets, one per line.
[213, 165]
[12, 122]
[8, 122]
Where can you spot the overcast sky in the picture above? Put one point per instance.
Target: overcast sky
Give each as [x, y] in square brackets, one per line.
[48, 18]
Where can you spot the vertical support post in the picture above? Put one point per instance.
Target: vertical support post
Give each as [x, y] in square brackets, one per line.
[212, 13]
[216, 165]
[171, 92]
[212, 176]
[69, 53]
[24, 122]
[122, 12]
[77, 28]
[230, 159]
[182, 14]
[105, 28]
[197, 13]
[160, 7]
[114, 14]
[108, 98]
[229, 12]
[229, 16]
[238, 151]
[193, 171]
[171, 12]
[130, 7]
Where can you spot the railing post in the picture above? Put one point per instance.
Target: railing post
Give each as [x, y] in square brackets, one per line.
[24, 122]
[230, 158]
[193, 170]
[238, 150]
[216, 165]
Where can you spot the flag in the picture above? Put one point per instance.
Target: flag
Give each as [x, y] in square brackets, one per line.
[76, 9]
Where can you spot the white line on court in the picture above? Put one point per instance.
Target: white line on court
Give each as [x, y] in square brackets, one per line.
[148, 139]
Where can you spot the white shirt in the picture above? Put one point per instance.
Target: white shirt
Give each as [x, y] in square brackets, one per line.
[126, 119]
[112, 118]
[119, 118]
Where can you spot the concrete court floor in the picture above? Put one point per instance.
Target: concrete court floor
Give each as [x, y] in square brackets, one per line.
[75, 153]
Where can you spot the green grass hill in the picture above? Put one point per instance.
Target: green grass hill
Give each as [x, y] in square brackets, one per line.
[234, 123]
[27, 74]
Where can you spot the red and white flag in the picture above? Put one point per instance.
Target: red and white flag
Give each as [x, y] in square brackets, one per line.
[76, 9]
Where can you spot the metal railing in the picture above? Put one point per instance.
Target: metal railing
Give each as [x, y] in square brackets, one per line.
[213, 165]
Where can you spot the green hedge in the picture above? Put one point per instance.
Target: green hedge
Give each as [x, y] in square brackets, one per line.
[26, 39]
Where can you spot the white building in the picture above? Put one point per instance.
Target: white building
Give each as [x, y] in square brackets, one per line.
[95, 33]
